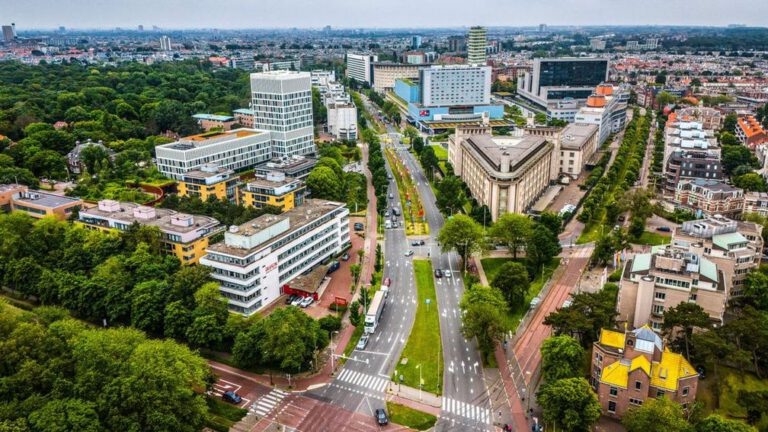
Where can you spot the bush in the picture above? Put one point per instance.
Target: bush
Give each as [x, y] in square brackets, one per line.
[338, 307]
[615, 276]
[330, 323]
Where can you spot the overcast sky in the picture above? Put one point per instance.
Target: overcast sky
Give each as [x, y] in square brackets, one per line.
[375, 13]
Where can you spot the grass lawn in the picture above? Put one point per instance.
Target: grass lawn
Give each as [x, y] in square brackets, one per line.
[410, 417]
[159, 182]
[491, 266]
[424, 346]
[591, 234]
[440, 152]
[653, 239]
[731, 381]
[221, 415]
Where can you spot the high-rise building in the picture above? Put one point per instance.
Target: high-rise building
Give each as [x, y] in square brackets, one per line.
[8, 33]
[542, 28]
[360, 67]
[553, 79]
[165, 43]
[141, 27]
[415, 42]
[455, 85]
[282, 104]
[476, 42]
[457, 43]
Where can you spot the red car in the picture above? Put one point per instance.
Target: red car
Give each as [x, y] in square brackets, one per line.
[387, 282]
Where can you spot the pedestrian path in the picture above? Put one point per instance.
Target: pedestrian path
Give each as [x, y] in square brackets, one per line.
[363, 380]
[466, 410]
[268, 402]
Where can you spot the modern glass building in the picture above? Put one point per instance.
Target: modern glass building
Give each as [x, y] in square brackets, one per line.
[554, 79]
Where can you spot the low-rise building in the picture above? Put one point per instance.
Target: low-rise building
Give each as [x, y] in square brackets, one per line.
[577, 144]
[709, 197]
[750, 132]
[689, 165]
[183, 235]
[74, 160]
[710, 118]
[297, 167]
[629, 368]
[507, 174]
[214, 121]
[37, 204]
[246, 117]
[257, 259]
[209, 181]
[756, 202]
[342, 121]
[386, 73]
[274, 189]
[606, 110]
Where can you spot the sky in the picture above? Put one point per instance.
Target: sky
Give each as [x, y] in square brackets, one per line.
[224, 14]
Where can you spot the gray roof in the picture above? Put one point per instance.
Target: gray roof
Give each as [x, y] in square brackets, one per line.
[518, 151]
[576, 135]
[43, 199]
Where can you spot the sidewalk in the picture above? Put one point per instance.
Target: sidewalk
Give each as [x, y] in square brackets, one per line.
[428, 402]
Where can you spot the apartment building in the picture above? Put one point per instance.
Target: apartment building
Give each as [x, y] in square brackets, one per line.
[183, 235]
[246, 117]
[282, 105]
[756, 202]
[710, 118]
[209, 181]
[750, 132]
[257, 259]
[236, 150]
[689, 165]
[214, 121]
[553, 79]
[507, 174]
[606, 110]
[689, 136]
[342, 121]
[360, 67]
[37, 204]
[274, 189]
[297, 167]
[477, 41]
[631, 367]
[577, 143]
[709, 197]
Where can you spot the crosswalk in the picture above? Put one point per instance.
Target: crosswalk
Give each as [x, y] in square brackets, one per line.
[463, 409]
[363, 380]
[268, 402]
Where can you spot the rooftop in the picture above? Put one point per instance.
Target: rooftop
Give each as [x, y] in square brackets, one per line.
[213, 117]
[43, 199]
[210, 138]
[575, 135]
[207, 171]
[11, 187]
[510, 152]
[166, 220]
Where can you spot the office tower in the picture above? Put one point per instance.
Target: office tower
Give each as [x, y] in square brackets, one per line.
[415, 42]
[360, 67]
[141, 27]
[165, 43]
[553, 79]
[542, 28]
[8, 33]
[457, 43]
[476, 43]
[282, 104]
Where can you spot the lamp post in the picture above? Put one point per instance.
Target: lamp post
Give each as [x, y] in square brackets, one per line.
[333, 353]
[420, 381]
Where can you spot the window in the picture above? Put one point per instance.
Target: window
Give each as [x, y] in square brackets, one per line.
[635, 401]
[685, 391]
[638, 385]
[660, 296]
[612, 407]
[657, 309]
[659, 393]
[613, 391]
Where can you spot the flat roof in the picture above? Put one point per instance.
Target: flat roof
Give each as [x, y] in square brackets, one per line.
[209, 138]
[311, 210]
[11, 187]
[576, 135]
[201, 174]
[45, 199]
[161, 220]
[213, 117]
[265, 183]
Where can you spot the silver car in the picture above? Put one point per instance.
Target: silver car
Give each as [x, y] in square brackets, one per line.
[362, 343]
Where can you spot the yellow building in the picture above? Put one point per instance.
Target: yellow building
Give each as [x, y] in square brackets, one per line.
[37, 204]
[273, 190]
[210, 180]
[183, 235]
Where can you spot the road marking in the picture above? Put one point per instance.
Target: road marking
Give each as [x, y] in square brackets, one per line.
[359, 379]
[263, 406]
[466, 410]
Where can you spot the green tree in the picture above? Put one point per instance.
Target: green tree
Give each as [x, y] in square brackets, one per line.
[418, 144]
[290, 339]
[429, 161]
[512, 281]
[484, 316]
[570, 404]
[751, 182]
[148, 301]
[717, 423]
[542, 246]
[561, 357]
[66, 415]
[734, 156]
[355, 269]
[48, 164]
[552, 221]
[586, 316]
[462, 234]
[681, 320]
[450, 197]
[177, 319]
[332, 164]
[665, 98]
[246, 352]
[513, 230]
[656, 415]
[729, 122]
[324, 183]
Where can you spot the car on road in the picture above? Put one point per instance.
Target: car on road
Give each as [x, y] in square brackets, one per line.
[359, 226]
[535, 302]
[362, 343]
[297, 301]
[409, 253]
[345, 257]
[381, 417]
[447, 273]
[438, 273]
[664, 229]
[567, 303]
[307, 301]
[387, 282]
[395, 211]
[386, 213]
[231, 397]
[291, 298]
[395, 225]
[391, 196]
[417, 243]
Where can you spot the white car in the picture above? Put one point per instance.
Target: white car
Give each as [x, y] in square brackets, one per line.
[447, 273]
[298, 301]
[307, 301]
[409, 253]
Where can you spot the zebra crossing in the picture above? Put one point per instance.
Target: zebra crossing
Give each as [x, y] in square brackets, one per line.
[363, 380]
[268, 402]
[466, 410]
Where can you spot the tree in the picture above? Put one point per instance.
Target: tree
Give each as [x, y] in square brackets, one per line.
[734, 156]
[570, 404]
[540, 118]
[552, 221]
[66, 415]
[512, 281]
[48, 164]
[755, 402]
[665, 98]
[656, 415]
[586, 316]
[418, 144]
[429, 161]
[716, 423]
[751, 182]
[729, 122]
[561, 357]
[542, 246]
[148, 300]
[462, 234]
[513, 230]
[685, 317]
[290, 339]
[324, 183]
[355, 269]
[332, 164]
[484, 316]
[450, 195]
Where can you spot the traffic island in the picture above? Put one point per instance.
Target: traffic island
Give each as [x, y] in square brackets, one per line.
[410, 201]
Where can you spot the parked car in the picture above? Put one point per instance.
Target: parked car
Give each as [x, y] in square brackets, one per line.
[334, 266]
[387, 282]
[381, 417]
[395, 225]
[362, 343]
[291, 298]
[438, 273]
[567, 303]
[395, 211]
[447, 273]
[386, 213]
[409, 253]
[359, 226]
[345, 257]
[297, 301]
[535, 302]
[664, 229]
[307, 301]
[417, 243]
[231, 397]
[391, 196]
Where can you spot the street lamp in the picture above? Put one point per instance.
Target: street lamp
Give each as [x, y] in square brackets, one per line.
[420, 380]
[333, 353]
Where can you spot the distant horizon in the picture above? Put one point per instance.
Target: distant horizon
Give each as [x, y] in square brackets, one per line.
[38, 15]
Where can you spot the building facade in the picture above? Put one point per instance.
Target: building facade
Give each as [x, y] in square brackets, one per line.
[689, 165]
[709, 197]
[477, 40]
[577, 144]
[182, 235]
[37, 204]
[553, 79]
[209, 181]
[274, 189]
[750, 132]
[360, 67]
[386, 73]
[342, 121]
[282, 104]
[455, 86]
[257, 259]
[604, 109]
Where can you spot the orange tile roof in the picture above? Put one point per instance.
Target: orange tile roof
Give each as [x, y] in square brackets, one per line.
[750, 126]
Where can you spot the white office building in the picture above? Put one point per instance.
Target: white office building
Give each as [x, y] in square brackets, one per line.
[604, 109]
[342, 121]
[456, 85]
[258, 258]
[282, 104]
[165, 43]
[237, 150]
[360, 67]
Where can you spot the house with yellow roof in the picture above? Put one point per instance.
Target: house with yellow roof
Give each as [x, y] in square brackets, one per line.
[630, 367]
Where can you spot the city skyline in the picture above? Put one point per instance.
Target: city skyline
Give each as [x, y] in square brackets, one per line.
[174, 14]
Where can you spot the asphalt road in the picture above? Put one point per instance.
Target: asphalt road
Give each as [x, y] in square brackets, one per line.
[466, 404]
[360, 385]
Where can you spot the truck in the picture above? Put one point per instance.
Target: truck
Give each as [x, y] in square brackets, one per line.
[374, 312]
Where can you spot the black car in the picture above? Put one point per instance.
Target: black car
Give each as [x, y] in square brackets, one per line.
[417, 243]
[231, 397]
[381, 417]
[664, 229]
[291, 298]
[358, 226]
[438, 273]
